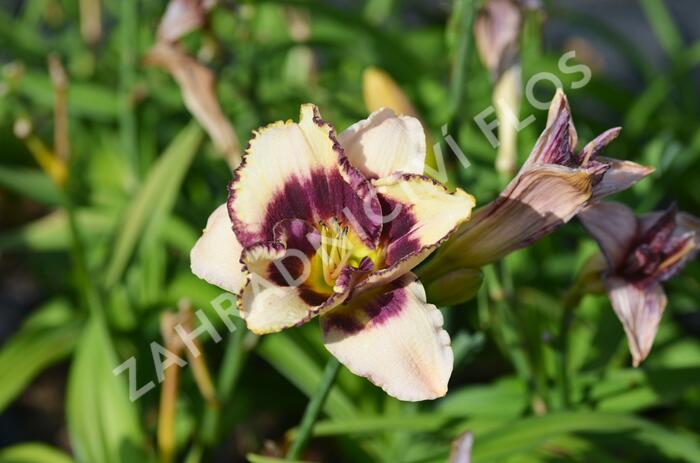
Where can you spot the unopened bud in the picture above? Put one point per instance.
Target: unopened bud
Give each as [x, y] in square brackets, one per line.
[381, 91]
[455, 287]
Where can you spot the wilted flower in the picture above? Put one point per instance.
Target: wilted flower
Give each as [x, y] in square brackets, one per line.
[553, 185]
[497, 32]
[182, 17]
[640, 254]
[197, 82]
[198, 86]
[317, 224]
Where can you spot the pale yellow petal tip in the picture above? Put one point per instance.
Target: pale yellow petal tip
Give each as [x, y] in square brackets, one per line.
[307, 112]
[260, 331]
[471, 199]
[469, 202]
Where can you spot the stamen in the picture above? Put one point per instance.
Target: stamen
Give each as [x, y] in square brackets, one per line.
[677, 256]
[324, 253]
[335, 250]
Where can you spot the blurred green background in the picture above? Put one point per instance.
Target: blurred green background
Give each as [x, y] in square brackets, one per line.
[86, 273]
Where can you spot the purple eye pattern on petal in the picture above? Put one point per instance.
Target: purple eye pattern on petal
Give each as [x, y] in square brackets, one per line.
[299, 171]
[393, 337]
[423, 216]
[641, 254]
[320, 238]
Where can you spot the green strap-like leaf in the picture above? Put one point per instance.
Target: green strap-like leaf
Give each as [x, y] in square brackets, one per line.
[530, 433]
[152, 204]
[102, 421]
[45, 338]
[33, 453]
[31, 183]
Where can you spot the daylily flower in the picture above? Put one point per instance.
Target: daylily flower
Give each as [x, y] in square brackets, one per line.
[328, 226]
[553, 185]
[640, 254]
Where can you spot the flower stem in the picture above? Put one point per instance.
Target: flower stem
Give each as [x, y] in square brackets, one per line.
[128, 16]
[572, 298]
[314, 408]
[464, 19]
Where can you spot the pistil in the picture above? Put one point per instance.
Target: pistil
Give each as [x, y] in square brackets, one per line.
[335, 250]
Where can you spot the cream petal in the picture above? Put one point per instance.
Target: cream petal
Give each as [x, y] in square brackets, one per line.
[269, 308]
[614, 226]
[640, 310]
[394, 338]
[299, 171]
[385, 143]
[420, 215]
[216, 256]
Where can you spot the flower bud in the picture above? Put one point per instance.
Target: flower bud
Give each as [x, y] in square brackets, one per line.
[454, 287]
[381, 91]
